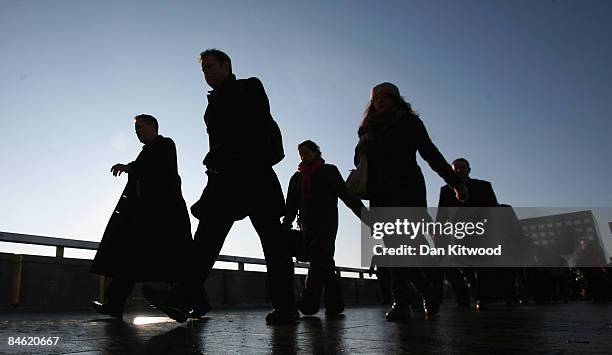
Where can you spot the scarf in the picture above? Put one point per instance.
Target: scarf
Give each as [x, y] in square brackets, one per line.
[307, 171]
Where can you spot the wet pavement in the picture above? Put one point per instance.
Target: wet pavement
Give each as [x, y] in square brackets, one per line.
[559, 328]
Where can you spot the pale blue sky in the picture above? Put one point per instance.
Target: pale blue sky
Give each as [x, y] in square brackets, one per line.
[520, 88]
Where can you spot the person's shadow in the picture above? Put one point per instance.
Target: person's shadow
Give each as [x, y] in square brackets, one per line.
[284, 339]
[324, 337]
[186, 339]
[126, 338]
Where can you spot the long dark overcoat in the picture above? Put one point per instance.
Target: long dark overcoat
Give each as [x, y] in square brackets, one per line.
[149, 232]
[319, 216]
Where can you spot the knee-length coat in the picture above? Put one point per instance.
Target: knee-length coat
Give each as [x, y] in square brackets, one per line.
[149, 232]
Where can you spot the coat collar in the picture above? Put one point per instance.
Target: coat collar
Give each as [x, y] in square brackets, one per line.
[227, 83]
[155, 140]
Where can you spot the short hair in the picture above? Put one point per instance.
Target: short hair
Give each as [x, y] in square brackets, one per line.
[219, 55]
[310, 145]
[463, 160]
[148, 119]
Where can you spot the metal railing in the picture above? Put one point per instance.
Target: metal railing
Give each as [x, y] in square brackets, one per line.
[61, 243]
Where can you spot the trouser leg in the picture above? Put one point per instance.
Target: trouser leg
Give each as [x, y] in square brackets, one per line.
[332, 291]
[278, 260]
[318, 271]
[487, 279]
[400, 285]
[435, 275]
[118, 291]
[383, 274]
[208, 241]
[457, 280]
[421, 280]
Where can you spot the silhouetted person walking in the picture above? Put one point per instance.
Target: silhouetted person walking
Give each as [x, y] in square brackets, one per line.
[149, 232]
[313, 196]
[244, 145]
[389, 136]
[450, 209]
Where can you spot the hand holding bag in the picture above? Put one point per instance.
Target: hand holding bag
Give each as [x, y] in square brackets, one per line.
[297, 244]
[357, 181]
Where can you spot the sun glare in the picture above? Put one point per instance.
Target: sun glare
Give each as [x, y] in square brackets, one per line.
[150, 320]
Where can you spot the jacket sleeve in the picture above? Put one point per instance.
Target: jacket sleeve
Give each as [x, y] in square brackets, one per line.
[339, 186]
[357, 157]
[292, 201]
[259, 123]
[443, 204]
[260, 98]
[491, 198]
[430, 153]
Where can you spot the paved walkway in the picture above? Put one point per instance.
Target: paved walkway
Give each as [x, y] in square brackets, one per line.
[561, 328]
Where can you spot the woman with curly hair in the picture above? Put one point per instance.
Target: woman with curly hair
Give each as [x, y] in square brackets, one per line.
[390, 134]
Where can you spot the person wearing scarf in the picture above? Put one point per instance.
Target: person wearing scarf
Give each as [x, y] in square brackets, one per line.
[313, 197]
[307, 170]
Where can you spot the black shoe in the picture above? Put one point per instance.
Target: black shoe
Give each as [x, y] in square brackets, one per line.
[107, 309]
[282, 317]
[168, 302]
[481, 306]
[398, 313]
[307, 308]
[334, 310]
[199, 311]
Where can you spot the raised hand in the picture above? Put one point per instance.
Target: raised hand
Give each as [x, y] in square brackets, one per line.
[117, 169]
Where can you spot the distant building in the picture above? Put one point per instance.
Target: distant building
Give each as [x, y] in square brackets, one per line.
[561, 233]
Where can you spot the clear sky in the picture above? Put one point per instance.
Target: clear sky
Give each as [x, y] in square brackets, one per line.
[519, 88]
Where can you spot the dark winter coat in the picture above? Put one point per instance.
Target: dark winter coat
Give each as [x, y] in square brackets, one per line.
[481, 196]
[394, 178]
[240, 175]
[319, 217]
[149, 232]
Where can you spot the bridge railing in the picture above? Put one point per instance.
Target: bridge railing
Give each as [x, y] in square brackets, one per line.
[27, 276]
[61, 243]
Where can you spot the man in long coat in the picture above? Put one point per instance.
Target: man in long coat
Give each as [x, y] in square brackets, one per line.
[245, 143]
[149, 231]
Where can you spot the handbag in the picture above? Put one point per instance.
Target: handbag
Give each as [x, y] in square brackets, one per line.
[297, 244]
[357, 181]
